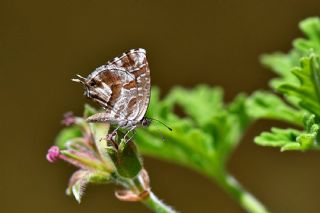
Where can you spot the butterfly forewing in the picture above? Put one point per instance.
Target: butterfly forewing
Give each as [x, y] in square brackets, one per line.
[121, 87]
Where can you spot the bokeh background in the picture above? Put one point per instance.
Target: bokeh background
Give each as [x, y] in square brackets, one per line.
[43, 44]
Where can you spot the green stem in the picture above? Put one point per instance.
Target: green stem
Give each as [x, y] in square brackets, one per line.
[157, 205]
[238, 193]
[152, 201]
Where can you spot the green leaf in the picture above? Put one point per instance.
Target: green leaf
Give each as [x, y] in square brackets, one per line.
[307, 91]
[311, 28]
[269, 106]
[291, 139]
[192, 102]
[238, 109]
[205, 130]
[278, 137]
[67, 134]
[88, 111]
[280, 63]
[283, 64]
[299, 81]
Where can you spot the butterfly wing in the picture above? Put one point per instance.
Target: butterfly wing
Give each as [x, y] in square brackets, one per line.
[122, 87]
[138, 89]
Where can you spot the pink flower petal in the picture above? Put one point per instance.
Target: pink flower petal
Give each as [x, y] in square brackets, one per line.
[53, 154]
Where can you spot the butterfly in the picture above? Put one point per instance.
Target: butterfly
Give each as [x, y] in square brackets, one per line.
[122, 88]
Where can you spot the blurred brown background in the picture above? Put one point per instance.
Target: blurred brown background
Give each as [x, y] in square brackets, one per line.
[43, 44]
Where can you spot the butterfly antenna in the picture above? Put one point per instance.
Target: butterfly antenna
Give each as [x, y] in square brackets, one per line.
[162, 123]
[80, 79]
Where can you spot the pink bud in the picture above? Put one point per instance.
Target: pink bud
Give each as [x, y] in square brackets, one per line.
[68, 119]
[53, 154]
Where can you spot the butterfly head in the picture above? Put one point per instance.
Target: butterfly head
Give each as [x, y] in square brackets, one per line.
[145, 122]
[90, 87]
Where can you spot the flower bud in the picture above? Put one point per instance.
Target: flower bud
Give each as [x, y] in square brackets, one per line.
[126, 159]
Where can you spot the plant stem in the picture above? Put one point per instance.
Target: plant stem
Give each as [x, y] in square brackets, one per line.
[157, 205]
[244, 198]
[152, 201]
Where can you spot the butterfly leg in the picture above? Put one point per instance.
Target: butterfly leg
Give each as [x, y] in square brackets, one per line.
[111, 136]
[133, 134]
[114, 132]
[130, 130]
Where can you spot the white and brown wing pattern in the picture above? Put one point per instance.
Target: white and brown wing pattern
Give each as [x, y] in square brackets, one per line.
[136, 90]
[121, 87]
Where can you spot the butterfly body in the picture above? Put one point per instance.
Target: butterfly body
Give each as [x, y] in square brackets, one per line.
[122, 88]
